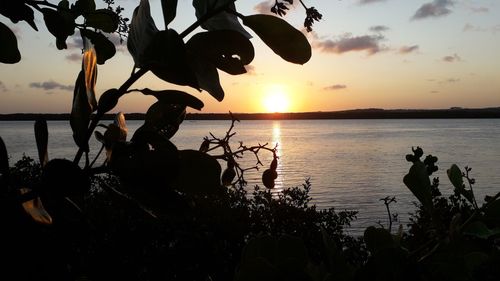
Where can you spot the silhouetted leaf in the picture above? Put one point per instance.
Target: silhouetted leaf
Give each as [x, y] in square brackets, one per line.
[42, 140]
[4, 165]
[199, 173]
[104, 48]
[169, 8]
[9, 53]
[228, 50]
[268, 178]
[103, 19]
[84, 6]
[207, 75]
[175, 97]
[59, 25]
[417, 180]
[165, 117]
[17, 11]
[166, 56]
[80, 112]
[377, 239]
[34, 208]
[219, 21]
[108, 100]
[480, 230]
[89, 65]
[141, 33]
[286, 41]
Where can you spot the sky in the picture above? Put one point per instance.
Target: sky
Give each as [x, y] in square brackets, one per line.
[388, 54]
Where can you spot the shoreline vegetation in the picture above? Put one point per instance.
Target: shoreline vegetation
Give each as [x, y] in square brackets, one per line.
[370, 113]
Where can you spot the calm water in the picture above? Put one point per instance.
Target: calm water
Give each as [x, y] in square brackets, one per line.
[351, 163]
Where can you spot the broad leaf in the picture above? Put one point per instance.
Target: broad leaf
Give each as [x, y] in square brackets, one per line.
[455, 176]
[417, 180]
[60, 25]
[169, 8]
[9, 53]
[103, 19]
[80, 113]
[42, 140]
[104, 48]
[207, 75]
[83, 6]
[17, 11]
[165, 117]
[34, 208]
[89, 65]
[228, 50]
[108, 101]
[220, 21]
[141, 32]
[199, 173]
[286, 41]
[175, 97]
[166, 56]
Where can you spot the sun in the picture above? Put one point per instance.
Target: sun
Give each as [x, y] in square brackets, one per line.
[276, 99]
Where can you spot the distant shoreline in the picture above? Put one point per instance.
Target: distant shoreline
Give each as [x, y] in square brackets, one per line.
[371, 113]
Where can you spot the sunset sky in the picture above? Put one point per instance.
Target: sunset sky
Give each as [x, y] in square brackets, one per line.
[366, 54]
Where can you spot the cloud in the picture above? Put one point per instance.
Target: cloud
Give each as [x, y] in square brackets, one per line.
[250, 69]
[434, 92]
[76, 42]
[469, 27]
[479, 9]
[379, 28]
[347, 43]
[51, 85]
[77, 57]
[3, 88]
[452, 80]
[452, 58]
[335, 87]
[436, 8]
[364, 2]
[408, 49]
[264, 7]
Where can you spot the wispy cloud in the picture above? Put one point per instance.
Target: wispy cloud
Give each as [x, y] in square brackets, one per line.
[335, 87]
[436, 8]
[469, 27]
[348, 43]
[76, 57]
[3, 88]
[250, 69]
[452, 58]
[364, 2]
[76, 42]
[51, 85]
[379, 28]
[408, 49]
[264, 7]
[479, 9]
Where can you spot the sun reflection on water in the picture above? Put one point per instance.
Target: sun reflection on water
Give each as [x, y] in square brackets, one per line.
[278, 187]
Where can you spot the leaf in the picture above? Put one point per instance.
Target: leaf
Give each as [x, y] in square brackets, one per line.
[9, 52]
[220, 21]
[104, 48]
[42, 140]
[169, 8]
[89, 65]
[199, 173]
[141, 32]
[480, 230]
[83, 6]
[58, 25]
[103, 19]
[286, 41]
[108, 101]
[35, 209]
[455, 176]
[166, 56]
[4, 165]
[207, 75]
[80, 113]
[175, 97]
[228, 50]
[417, 180]
[377, 239]
[165, 117]
[17, 11]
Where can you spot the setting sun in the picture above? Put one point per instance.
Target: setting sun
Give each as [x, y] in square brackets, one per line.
[276, 99]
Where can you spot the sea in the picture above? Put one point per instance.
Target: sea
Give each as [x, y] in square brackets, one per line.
[351, 164]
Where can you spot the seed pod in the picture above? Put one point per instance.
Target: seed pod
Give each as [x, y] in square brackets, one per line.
[268, 178]
[108, 100]
[274, 164]
[205, 145]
